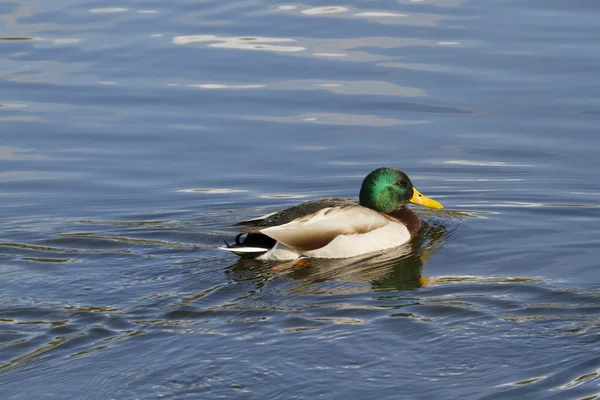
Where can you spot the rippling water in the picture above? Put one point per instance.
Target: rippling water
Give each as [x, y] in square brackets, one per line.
[135, 132]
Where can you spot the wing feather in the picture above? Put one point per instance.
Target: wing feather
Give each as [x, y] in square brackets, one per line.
[317, 230]
[254, 221]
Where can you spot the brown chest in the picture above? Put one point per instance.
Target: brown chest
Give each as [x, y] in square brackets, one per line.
[407, 217]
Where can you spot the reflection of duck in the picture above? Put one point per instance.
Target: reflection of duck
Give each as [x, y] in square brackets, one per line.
[398, 269]
[339, 228]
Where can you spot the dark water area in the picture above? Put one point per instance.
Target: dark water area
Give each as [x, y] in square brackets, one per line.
[134, 133]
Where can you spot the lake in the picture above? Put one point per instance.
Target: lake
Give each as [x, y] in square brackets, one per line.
[134, 133]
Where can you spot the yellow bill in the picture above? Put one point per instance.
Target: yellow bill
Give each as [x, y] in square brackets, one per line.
[424, 201]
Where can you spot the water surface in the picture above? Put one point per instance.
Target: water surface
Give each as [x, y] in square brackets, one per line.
[134, 133]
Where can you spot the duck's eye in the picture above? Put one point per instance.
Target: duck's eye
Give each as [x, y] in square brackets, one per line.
[400, 183]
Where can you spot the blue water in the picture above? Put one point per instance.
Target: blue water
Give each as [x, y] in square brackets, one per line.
[134, 133]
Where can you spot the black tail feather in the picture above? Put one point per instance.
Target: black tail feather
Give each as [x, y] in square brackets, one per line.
[237, 239]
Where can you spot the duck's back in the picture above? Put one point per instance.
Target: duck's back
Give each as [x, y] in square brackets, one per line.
[309, 207]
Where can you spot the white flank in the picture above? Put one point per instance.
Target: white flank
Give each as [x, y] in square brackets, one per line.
[331, 221]
[243, 249]
[343, 246]
[279, 252]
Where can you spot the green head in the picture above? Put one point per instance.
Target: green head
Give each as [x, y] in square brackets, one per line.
[387, 189]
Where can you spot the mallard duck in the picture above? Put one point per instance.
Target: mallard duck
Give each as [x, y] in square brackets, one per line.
[338, 228]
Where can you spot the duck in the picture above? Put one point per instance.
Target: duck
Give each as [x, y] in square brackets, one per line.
[337, 228]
